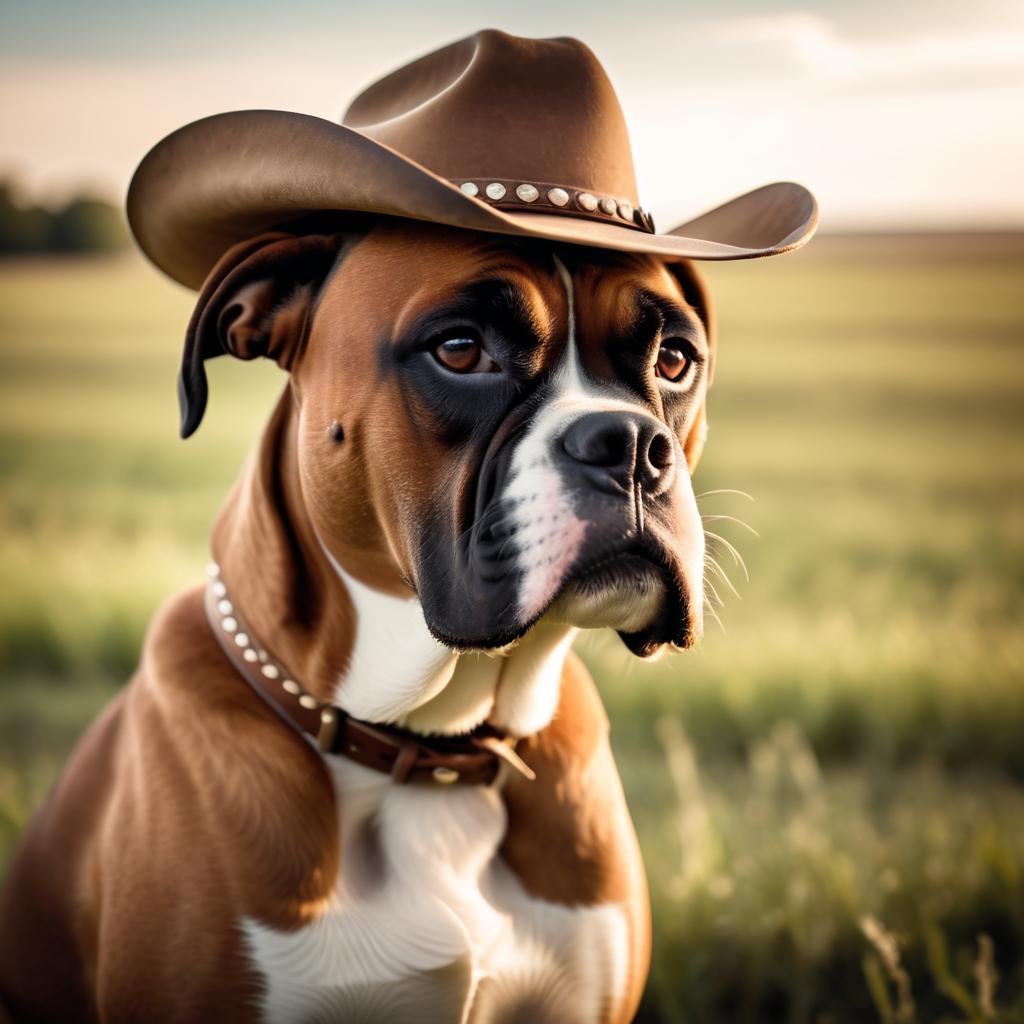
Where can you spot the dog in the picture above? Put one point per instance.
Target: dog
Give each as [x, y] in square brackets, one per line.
[360, 774]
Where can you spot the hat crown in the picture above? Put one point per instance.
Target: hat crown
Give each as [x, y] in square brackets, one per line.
[501, 106]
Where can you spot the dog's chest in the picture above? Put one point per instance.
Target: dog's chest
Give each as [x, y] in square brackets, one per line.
[429, 925]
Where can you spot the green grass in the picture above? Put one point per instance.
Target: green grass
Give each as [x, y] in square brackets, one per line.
[847, 747]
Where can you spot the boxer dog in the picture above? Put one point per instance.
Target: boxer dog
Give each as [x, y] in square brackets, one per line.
[360, 776]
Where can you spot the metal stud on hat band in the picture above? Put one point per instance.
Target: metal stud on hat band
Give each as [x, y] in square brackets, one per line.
[509, 194]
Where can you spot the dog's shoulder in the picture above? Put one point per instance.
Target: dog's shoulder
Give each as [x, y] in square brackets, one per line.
[201, 768]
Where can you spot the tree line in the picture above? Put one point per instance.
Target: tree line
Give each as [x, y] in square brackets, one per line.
[83, 224]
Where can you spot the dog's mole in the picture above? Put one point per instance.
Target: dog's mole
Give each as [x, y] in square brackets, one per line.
[337, 434]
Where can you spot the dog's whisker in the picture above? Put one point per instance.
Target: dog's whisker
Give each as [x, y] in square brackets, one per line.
[712, 563]
[725, 490]
[708, 585]
[711, 608]
[737, 557]
[731, 519]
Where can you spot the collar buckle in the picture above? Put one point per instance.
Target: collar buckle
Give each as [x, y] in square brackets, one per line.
[327, 734]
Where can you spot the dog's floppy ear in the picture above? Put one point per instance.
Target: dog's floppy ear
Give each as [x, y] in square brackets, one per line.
[698, 297]
[255, 302]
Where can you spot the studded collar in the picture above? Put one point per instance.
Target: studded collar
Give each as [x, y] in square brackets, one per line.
[476, 758]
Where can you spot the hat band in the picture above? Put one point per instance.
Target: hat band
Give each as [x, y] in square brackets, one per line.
[516, 195]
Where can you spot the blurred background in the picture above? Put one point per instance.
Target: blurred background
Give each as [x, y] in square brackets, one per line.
[829, 791]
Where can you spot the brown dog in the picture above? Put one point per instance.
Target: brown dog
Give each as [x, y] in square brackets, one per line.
[361, 777]
[199, 861]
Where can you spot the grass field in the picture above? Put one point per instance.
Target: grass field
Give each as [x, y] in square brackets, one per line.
[830, 791]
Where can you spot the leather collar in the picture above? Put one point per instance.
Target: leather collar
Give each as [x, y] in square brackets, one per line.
[475, 758]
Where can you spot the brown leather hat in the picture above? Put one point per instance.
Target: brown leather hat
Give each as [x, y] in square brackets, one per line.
[492, 133]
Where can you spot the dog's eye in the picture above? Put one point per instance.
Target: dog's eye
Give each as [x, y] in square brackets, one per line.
[465, 355]
[673, 362]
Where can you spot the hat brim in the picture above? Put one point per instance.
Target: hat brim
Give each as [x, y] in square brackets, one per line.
[231, 176]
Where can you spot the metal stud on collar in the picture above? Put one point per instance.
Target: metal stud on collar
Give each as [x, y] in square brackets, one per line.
[250, 652]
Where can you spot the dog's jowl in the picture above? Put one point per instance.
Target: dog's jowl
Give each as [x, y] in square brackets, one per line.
[359, 774]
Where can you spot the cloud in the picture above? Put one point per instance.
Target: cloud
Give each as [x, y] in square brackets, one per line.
[792, 50]
[814, 48]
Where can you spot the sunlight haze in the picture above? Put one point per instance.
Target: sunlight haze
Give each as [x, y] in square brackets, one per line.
[896, 115]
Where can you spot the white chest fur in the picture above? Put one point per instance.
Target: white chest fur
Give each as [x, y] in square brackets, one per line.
[427, 924]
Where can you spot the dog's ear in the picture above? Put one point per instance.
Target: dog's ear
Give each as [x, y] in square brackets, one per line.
[698, 297]
[256, 301]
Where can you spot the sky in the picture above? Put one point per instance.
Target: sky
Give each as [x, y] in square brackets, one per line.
[898, 115]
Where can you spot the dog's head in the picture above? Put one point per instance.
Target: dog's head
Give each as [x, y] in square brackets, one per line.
[506, 427]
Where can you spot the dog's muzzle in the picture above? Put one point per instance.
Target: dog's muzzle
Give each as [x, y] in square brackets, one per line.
[574, 514]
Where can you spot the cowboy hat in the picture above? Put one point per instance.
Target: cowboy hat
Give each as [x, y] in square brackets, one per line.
[493, 133]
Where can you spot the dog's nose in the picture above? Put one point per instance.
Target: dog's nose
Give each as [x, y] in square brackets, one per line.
[622, 448]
